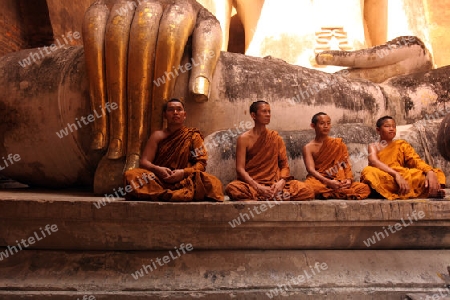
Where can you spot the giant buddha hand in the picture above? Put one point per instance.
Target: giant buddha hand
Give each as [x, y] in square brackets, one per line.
[401, 56]
[130, 47]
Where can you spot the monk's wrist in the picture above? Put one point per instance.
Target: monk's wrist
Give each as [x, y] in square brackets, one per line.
[187, 172]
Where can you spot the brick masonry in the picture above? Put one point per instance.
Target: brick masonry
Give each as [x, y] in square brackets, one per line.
[11, 29]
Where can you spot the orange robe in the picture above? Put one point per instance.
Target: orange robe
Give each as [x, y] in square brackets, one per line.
[332, 162]
[183, 149]
[400, 156]
[266, 162]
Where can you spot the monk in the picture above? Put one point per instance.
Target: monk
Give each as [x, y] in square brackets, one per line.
[395, 170]
[174, 159]
[262, 165]
[329, 170]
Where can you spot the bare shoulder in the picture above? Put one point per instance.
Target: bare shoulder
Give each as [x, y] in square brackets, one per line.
[158, 136]
[308, 145]
[245, 137]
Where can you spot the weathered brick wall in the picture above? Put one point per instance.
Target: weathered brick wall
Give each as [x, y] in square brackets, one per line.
[11, 29]
[67, 16]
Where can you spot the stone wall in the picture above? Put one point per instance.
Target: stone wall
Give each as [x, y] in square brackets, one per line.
[11, 29]
[67, 17]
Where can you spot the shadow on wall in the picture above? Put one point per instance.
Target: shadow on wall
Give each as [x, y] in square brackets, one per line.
[221, 147]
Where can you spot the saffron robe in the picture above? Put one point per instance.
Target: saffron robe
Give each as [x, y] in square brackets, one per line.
[266, 162]
[332, 162]
[183, 149]
[400, 156]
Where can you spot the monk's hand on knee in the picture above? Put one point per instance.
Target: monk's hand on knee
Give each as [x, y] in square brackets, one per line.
[346, 183]
[264, 191]
[278, 187]
[162, 173]
[333, 184]
[402, 184]
[431, 182]
[176, 176]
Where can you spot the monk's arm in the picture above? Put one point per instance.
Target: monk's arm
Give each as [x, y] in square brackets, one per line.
[311, 167]
[413, 160]
[374, 161]
[200, 157]
[347, 166]
[149, 155]
[240, 163]
[283, 160]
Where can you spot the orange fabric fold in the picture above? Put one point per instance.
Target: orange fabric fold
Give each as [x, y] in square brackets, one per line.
[180, 150]
[400, 156]
[267, 163]
[332, 162]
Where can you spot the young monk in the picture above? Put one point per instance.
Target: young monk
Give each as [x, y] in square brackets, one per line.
[395, 170]
[175, 173]
[262, 165]
[326, 160]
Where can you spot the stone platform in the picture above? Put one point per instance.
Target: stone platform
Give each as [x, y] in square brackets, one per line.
[370, 249]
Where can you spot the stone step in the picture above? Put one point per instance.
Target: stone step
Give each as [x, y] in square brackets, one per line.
[132, 225]
[224, 274]
[59, 245]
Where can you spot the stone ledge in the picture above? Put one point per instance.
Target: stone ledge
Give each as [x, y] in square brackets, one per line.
[132, 225]
[349, 274]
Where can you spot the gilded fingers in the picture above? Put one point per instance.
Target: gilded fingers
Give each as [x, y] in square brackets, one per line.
[116, 58]
[206, 45]
[142, 46]
[175, 28]
[94, 26]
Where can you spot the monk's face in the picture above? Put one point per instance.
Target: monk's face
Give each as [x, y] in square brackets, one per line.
[175, 113]
[262, 115]
[388, 130]
[323, 125]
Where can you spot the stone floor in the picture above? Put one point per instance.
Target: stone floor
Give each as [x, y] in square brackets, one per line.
[101, 251]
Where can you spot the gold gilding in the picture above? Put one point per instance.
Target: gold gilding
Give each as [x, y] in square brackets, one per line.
[116, 58]
[175, 28]
[94, 27]
[130, 48]
[201, 88]
[142, 45]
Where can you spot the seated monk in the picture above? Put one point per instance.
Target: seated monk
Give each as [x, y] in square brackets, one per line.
[395, 170]
[329, 170]
[174, 159]
[262, 165]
